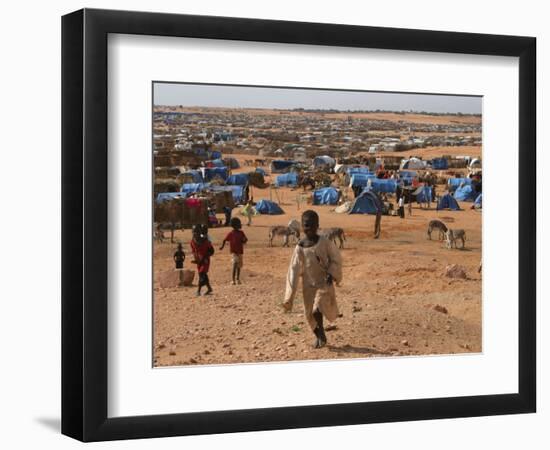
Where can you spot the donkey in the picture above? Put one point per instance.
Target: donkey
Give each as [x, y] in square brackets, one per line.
[280, 230]
[453, 236]
[440, 226]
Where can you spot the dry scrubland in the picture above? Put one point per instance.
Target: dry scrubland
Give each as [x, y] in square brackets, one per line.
[395, 298]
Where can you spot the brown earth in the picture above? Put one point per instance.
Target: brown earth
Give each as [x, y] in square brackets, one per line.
[395, 297]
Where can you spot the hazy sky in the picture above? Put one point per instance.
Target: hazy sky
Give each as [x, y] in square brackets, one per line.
[254, 97]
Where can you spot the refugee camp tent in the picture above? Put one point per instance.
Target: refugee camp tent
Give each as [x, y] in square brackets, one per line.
[339, 168]
[281, 165]
[268, 207]
[413, 163]
[287, 179]
[323, 162]
[360, 179]
[440, 164]
[382, 185]
[454, 183]
[260, 170]
[326, 196]
[366, 203]
[240, 179]
[167, 196]
[214, 154]
[465, 193]
[232, 163]
[475, 163]
[210, 173]
[447, 201]
[239, 193]
[354, 170]
[192, 188]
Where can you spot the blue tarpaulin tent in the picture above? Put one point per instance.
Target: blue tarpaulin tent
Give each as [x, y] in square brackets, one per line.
[268, 207]
[325, 196]
[354, 170]
[287, 179]
[478, 201]
[281, 166]
[448, 202]
[214, 154]
[465, 193]
[191, 188]
[238, 192]
[240, 179]
[213, 172]
[454, 183]
[440, 164]
[381, 185]
[366, 203]
[166, 196]
[360, 179]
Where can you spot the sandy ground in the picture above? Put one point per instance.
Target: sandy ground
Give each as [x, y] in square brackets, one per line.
[394, 299]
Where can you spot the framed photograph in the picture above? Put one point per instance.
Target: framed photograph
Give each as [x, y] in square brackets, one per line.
[272, 225]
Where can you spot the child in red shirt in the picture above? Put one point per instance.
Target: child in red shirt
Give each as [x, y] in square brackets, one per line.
[236, 239]
[202, 251]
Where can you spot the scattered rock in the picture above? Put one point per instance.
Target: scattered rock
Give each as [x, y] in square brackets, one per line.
[291, 344]
[330, 327]
[192, 360]
[455, 271]
[206, 352]
[441, 309]
[356, 309]
[172, 351]
[405, 342]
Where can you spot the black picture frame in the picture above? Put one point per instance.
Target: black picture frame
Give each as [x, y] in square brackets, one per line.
[84, 224]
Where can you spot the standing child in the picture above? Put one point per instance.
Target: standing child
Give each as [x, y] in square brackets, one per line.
[202, 251]
[236, 239]
[317, 260]
[179, 257]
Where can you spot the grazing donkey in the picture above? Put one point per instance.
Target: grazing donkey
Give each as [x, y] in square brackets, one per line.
[453, 236]
[440, 226]
[281, 230]
[333, 234]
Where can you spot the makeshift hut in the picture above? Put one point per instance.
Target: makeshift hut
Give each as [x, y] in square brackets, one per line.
[326, 196]
[465, 193]
[439, 164]
[413, 164]
[423, 194]
[281, 165]
[324, 162]
[239, 194]
[447, 201]
[455, 183]
[192, 188]
[190, 176]
[383, 185]
[366, 203]
[268, 207]
[287, 179]
[209, 173]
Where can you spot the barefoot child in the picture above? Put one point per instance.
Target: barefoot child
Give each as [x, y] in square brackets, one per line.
[317, 260]
[202, 251]
[236, 239]
[179, 257]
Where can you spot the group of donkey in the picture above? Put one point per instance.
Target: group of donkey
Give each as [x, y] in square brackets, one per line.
[450, 236]
[293, 229]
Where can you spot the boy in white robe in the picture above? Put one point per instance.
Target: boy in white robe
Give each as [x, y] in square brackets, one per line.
[317, 260]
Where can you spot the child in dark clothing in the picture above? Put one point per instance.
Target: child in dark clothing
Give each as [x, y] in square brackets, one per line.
[179, 257]
[236, 239]
[202, 251]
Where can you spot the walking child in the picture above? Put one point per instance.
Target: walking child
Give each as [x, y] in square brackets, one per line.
[236, 239]
[179, 257]
[202, 251]
[317, 260]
